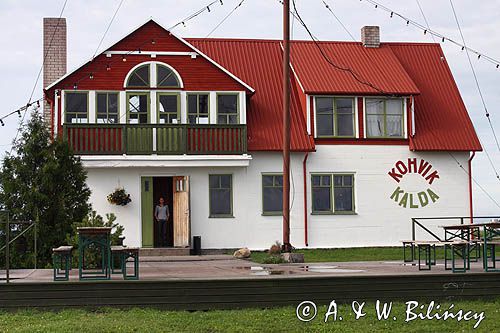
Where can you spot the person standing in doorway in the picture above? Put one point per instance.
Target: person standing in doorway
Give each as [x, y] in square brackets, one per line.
[162, 214]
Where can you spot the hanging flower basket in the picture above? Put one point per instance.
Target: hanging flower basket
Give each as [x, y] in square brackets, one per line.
[119, 197]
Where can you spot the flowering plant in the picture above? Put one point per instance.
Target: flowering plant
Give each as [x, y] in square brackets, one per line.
[119, 197]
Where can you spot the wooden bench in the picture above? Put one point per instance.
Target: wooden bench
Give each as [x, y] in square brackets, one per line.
[421, 244]
[491, 246]
[61, 260]
[123, 253]
[426, 251]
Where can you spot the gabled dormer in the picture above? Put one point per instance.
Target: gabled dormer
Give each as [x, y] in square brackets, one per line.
[151, 92]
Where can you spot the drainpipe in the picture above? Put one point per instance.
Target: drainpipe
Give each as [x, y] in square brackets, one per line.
[304, 176]
[471, 208]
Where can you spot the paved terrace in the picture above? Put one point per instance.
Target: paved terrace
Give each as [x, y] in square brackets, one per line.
[227, 267]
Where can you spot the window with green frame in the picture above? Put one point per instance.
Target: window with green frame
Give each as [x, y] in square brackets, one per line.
[107, 107]
[197, 108]
[168, 108]
[137, 108]
[139, 77]
[272, 194]
[227, 108]
[332, 193]
[334, 117]
[166, 77]
[76, 106]
[384, 117]
[221, 195]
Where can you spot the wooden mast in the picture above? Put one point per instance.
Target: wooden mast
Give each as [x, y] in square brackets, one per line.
[286, 126]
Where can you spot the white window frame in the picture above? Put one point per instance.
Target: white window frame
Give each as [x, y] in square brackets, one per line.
[153, 74]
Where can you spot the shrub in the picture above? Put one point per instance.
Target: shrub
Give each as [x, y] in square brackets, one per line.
[94, 220]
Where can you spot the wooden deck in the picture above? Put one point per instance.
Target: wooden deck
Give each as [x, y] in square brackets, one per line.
[227, 284]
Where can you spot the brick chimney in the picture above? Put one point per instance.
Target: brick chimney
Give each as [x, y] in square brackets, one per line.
[370, 36]
[54, 51]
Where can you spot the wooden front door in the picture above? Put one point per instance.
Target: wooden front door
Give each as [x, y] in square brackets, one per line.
[181, 211]
[147, 207]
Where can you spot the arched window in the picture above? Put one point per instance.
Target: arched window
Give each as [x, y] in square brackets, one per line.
[166, 77]
[139, 77]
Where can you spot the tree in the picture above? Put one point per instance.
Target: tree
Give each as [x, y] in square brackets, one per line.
[42, 177]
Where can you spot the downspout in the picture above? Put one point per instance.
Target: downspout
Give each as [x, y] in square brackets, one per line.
[52, 115]
[304, 176]
[471, 208]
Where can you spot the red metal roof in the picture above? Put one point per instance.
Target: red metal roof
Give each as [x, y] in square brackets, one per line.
[258, 63]
[441, 119]
[378, 66]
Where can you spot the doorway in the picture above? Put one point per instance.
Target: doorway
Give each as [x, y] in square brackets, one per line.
[162, 188]
[175, 193]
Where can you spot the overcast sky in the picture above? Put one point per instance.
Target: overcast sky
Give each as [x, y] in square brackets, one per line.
[21, 41]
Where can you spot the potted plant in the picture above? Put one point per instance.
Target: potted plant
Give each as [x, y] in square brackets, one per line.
[119, 197]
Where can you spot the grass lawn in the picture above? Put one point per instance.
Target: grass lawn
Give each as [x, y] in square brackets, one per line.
[252, 320]
[351, 254]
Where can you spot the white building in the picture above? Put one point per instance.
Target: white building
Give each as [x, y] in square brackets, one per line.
[376, 140]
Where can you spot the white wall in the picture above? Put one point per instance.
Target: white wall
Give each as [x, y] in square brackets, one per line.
[379, 220]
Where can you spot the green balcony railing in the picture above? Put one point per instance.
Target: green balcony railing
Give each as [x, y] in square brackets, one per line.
[116, 139]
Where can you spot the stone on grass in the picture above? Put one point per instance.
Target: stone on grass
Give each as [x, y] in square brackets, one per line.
[242, 253]
[293, 257]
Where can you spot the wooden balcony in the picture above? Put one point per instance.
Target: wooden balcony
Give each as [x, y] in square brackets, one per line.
[118, 139]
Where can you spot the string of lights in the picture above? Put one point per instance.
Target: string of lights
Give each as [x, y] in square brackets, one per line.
[434, 33]
[425, 19]
[206, 8]
[225, 18]
[192, 16]
[21, 110]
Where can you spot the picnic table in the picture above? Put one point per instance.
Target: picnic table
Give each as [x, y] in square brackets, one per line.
[471, 235]
[464, 241]
[98, 238]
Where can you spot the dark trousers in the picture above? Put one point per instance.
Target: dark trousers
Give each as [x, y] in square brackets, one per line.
[162, 232]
